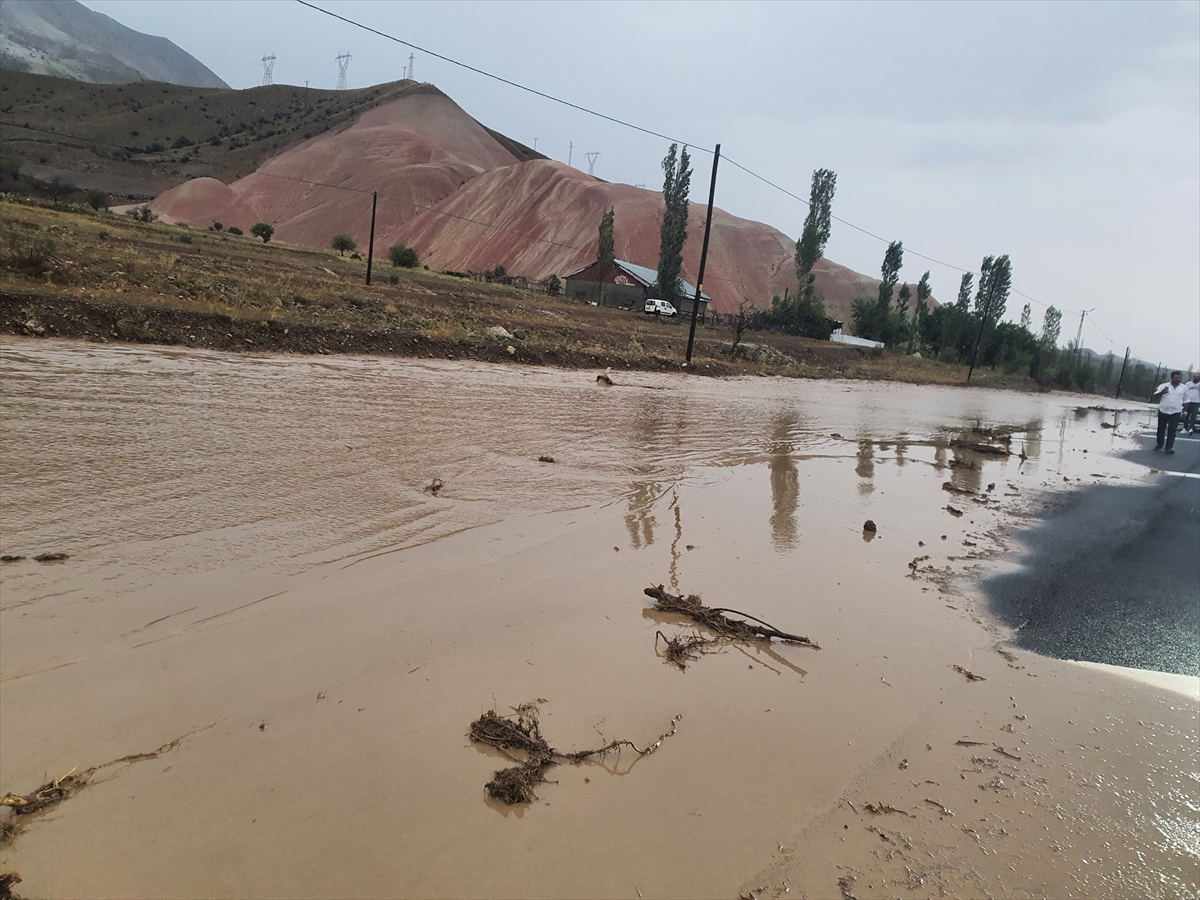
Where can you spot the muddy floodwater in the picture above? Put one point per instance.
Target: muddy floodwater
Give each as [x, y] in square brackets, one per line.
[257, 566]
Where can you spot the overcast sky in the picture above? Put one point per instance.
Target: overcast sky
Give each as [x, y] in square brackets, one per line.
[1066, 135]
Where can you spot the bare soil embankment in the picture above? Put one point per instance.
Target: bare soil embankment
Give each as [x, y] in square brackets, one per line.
[108, 278]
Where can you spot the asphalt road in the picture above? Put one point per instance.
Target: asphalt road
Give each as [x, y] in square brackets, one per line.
[1115, 577]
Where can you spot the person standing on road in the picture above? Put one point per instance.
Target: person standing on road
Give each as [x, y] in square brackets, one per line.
[1170, 396]
[1191, 403]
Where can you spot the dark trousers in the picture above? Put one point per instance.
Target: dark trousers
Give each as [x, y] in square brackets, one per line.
[1168, 425]
[1189, 416]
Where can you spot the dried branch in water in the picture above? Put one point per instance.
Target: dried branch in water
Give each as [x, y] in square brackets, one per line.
[714, 620]
[59, 789]
[684, 648]
[881, 808]
[971, 676]
[521, 733]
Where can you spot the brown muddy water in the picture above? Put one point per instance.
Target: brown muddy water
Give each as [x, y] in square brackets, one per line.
[254, 566]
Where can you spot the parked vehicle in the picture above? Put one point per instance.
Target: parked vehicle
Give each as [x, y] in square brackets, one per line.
[660, 308]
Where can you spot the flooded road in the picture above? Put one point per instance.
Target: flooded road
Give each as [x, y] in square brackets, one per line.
[255, 565]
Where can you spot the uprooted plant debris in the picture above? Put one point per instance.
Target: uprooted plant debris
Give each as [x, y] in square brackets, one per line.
[59, 789]
[684, 648]
[521, 733]
[8, 880]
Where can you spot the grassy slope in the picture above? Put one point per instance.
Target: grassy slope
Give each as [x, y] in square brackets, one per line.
[111, 278]
[252, 125]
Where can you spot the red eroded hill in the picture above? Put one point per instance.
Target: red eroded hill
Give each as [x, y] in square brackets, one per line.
[544, 218]
[463, 197]
[416, 150]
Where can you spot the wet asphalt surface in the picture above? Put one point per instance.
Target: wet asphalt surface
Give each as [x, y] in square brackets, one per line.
[1115, 577]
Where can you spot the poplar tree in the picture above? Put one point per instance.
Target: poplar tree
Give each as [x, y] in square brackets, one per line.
[921, 312]
[964, 292]
[817, 225]
[604, 254]
[995, 282]
[677, 184]
[1027, 318]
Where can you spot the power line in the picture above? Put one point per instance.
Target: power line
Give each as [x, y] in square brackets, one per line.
[477, 71]
[613, 119]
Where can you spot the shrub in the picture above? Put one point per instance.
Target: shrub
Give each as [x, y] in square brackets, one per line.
[31, 254]
[404, 257]
[97, 200]
[342, 242]
[217, 226]
[182, 141]
[142, 214]
[262, 230]
[233, 229]
[184, 238]
[393, 278]
[553, 286]
[103, 235]
[355, 256]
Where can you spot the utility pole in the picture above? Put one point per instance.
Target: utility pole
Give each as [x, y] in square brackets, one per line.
[570, 152]
[712, 190]
[591, 158]
[535, 140]
[371, 242]
[268, 63]
[1079, 333]
[1122, 376]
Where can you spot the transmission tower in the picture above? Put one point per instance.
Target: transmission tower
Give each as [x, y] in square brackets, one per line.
[592, 157]
[408, 71]
[343, 61]
[268, 69]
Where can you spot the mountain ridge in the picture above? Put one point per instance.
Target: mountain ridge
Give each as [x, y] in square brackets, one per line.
[65, 38]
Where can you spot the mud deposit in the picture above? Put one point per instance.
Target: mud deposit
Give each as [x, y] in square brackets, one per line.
[255, 569]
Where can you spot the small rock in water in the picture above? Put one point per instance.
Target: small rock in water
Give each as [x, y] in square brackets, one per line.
[869, 525]
[12, 557]
[549, 459]
[434, 486]
[51, 557]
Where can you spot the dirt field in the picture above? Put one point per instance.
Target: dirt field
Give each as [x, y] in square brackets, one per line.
[108, 278]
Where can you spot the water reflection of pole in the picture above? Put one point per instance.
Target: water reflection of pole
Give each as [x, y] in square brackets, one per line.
[1122, 376]
[712, 190]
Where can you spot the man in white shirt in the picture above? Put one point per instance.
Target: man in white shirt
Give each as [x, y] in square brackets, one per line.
[1191, 403]
[1170, 396]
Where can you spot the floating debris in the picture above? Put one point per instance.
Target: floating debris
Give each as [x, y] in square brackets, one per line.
[971, 676]
[714, 619]
[880, 809]
[521, 733]
[433, 487]
[957, 513]
[941, 809]
[59, 789]
[955, 489]
[605, 377]
[548, 459]
[989, 449]
[12, 557]
[869, 525]
[51, 557]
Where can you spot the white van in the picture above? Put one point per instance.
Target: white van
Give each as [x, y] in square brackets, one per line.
[660, 308]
